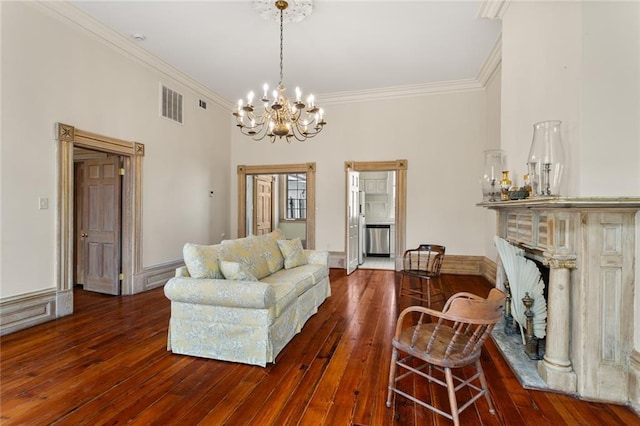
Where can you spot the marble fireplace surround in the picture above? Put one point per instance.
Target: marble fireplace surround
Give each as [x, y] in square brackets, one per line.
[589, 244]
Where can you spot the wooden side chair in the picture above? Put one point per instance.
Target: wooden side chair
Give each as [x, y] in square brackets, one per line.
[424, 264]
[453, 341]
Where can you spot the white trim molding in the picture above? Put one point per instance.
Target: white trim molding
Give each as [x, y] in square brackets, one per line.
[27, 310]
[492, 9]
[66, 11]
[156, 276]
[491, 64]
[399, 92]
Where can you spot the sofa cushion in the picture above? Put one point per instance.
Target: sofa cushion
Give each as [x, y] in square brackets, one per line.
[236, 271]
[303, 277]
[293, 253]
[202, 261]
[271, 251]
[286, 294]
[247, 251]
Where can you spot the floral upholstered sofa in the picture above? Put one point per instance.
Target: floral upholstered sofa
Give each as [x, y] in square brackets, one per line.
[243, 300]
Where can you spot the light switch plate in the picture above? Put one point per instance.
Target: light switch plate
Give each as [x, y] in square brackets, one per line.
[43, 203]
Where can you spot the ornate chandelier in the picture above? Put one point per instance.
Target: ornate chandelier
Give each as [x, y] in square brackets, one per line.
[280, 116]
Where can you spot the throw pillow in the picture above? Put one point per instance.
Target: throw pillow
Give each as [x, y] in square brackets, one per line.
[236, 271]
[248, 251]
[293, 253]
[271, 251]
[202, 261]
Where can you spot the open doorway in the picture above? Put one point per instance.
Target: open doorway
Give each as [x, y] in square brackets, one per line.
[375, 214]
[130, 154]
[291, 200]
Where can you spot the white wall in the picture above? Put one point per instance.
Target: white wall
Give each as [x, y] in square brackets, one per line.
[52, 71]
[441, 135]
[577, 62]
[610, 99]
[493, 139]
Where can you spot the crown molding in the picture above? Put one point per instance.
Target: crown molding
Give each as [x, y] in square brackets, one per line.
[69, 13]
[399, 92]
[492, 63]
[492, 9]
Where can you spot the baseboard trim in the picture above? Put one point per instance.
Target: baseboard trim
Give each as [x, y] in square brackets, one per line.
[453, 264]
[156, 276]
[489, 270]
[465, 265]
[337, 260]
[27, 310]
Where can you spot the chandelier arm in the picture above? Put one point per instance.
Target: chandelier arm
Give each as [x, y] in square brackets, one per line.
[260, 134]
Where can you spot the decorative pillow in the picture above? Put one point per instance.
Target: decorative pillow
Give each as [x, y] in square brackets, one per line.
[293, 253]
[271, 251]
[202, 261]
[236, 271]
[248, 251]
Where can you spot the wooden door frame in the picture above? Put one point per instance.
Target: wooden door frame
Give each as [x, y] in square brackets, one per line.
[132, 154]
[400, 167]
[308, 168]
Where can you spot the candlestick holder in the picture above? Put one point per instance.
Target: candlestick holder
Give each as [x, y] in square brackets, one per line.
[546, 159]
[494, 161]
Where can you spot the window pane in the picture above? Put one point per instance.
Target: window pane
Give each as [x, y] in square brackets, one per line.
[296, 196]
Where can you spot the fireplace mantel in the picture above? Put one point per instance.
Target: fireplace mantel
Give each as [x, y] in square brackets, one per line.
[589, 244]
[566, 202]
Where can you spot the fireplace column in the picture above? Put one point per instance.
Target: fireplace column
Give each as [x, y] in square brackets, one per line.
[556, 369]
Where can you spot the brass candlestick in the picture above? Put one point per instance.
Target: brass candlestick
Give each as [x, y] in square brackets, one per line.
[531, 347]
[509, 324]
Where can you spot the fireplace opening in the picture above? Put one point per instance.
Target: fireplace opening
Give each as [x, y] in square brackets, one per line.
[522, 341]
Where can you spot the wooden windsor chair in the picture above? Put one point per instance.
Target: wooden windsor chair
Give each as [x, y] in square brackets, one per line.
[453, 341]
[423, 265]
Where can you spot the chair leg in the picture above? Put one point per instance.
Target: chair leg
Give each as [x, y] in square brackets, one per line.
[452, 396]
[401, 290]
[483, 383]
[428, 293]
[392, 375]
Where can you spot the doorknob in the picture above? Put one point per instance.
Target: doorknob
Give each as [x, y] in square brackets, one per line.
[84, 235]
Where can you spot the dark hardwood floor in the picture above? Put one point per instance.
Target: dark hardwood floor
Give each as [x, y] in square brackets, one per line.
[108, 364]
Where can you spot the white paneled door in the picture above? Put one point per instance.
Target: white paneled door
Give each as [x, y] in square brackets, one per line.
[101, 225]
[353, 197]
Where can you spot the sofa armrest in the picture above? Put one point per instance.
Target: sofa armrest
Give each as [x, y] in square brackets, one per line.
[316, 257]
[228, 293]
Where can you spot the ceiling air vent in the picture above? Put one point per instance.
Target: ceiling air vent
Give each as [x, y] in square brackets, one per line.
[171, 104]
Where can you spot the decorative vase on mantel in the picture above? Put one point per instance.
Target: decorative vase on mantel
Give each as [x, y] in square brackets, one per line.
[546, 159]
[494, 160]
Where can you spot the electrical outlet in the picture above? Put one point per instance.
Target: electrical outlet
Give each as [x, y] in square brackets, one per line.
[43, 203]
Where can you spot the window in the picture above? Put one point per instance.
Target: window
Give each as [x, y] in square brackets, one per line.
[296, 191]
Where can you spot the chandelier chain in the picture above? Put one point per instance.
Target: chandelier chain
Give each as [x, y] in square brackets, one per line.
[281, 47]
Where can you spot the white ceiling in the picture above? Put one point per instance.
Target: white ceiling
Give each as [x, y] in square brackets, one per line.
[343, 46]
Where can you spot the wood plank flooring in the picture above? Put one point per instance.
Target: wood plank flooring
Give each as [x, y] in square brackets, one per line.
[108, 364]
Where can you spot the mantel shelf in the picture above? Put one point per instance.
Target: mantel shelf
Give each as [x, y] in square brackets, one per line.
[566, 202]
